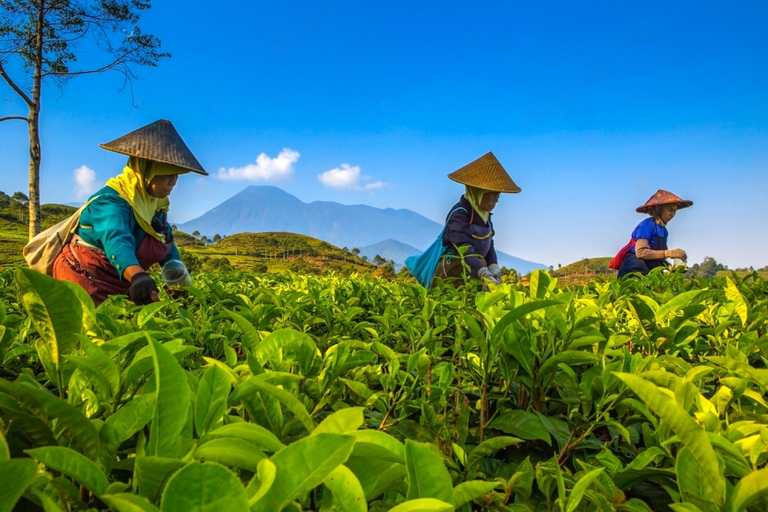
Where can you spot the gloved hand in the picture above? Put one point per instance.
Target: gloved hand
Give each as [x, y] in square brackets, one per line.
[495, 271]
[143, 289]
[678, 254]
[484, 273]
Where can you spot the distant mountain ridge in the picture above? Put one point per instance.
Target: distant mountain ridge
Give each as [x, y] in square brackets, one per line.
[258, 209]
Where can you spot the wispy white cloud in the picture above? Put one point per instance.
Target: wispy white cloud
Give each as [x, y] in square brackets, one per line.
[347, 177]
[265, 168]
[85, 181]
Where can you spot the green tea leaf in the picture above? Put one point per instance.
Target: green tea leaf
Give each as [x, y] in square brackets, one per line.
[103, 364]
[394, 448]
[302, 466]
[4, 453]
[676, 303]
[346, 489]
[124, 502]
[741, 308]
[251, 338]
[341, 422]
[47, 407]
[128, 420]
[427, 475]
[262, 481]
[690, 478]
[230, 452]
[250, 432]
[211, 403]
[288, 400]
[55, 312]
[151, 474]
[466, 492]
[70, 463]
[489, 447]
[16, 475]
[208, 487]
[171, 403]
[568, 357]
[684, 426]
[524, 424]
[274, 342]
[750, 488]
[577, 493]
[518, 313]
[423, 505]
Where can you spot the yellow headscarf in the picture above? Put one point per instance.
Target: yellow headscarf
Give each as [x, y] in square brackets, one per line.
[475, 196]
[132, 186]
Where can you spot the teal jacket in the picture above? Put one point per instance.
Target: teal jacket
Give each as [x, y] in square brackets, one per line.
[108, 223]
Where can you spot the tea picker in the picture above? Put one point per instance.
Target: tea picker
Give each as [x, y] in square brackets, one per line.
[468, 228]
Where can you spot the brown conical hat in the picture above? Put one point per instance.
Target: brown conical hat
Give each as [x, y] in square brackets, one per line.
[158, 141]
[663, 197]
[487, 173]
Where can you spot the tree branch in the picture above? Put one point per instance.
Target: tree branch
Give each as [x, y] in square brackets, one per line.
[9, 118]
[15, 87]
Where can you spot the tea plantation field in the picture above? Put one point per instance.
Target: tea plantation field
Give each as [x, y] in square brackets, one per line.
[293, 392]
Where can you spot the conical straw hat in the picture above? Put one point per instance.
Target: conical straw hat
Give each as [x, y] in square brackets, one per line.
[158, 141]
[487, 173]
[663, 197]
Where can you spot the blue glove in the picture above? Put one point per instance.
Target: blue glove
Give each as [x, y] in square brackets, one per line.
[484, 273]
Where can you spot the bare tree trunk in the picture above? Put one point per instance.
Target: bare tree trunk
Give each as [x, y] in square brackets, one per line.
[34, 129]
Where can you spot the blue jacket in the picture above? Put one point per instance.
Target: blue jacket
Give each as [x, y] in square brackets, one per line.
[478, 236]
[109, 224]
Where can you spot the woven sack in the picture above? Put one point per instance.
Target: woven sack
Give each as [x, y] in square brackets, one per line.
[42, 250]
[422, 266]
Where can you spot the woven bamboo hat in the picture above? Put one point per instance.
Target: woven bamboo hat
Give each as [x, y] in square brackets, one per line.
[487, 173]
[158, 141]
[663, 197]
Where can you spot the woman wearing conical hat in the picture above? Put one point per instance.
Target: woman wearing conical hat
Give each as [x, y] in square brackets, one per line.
[469, 222]
[124, 228]
[647, 249]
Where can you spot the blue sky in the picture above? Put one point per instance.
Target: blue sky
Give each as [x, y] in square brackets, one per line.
[590, 106]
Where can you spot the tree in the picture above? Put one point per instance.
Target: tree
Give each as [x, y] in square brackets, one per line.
[44, 37]
[196, 234]
[20, 198]
[216, 238]
[355, 251]
[709, 267]
[378, 260]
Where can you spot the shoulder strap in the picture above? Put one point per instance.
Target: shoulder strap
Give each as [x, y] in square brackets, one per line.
[454, 211]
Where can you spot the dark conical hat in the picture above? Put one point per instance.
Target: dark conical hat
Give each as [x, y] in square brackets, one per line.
[487, 173]
[158, 141]
[663, 197]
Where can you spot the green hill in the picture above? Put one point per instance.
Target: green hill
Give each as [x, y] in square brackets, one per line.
[260, 252]
[587, 266]
[14, 230]
[271, 252]
[583, 271]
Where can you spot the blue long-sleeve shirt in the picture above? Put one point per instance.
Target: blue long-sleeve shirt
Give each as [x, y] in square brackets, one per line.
[109, 224]
[477, 236]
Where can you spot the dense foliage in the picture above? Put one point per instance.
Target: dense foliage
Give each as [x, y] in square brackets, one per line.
[325, 393]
